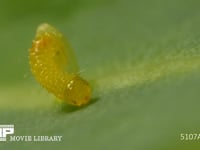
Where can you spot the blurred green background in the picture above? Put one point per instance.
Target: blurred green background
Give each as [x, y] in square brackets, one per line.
[143, 55]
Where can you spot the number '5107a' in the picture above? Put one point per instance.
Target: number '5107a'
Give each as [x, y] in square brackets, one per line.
[189, 136]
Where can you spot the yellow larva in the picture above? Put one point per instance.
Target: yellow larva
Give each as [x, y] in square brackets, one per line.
[51, 60]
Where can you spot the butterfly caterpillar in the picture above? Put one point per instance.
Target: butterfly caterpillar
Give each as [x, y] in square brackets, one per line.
[51, 59]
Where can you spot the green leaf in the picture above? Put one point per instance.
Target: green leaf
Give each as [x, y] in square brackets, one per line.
[143, 56]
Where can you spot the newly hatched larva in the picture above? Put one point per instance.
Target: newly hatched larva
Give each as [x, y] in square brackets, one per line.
[51, 60]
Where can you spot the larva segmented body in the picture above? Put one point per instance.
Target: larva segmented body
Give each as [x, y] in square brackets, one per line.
[49, 59]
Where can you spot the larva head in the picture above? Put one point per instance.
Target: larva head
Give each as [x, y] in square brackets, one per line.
[78, 91]
[48, 30]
